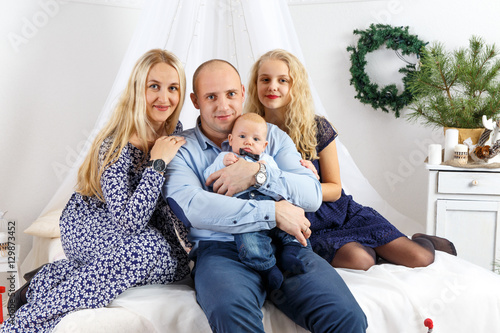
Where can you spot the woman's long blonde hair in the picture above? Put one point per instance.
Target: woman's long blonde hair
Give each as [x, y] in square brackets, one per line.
[299, 116]
[129, 117]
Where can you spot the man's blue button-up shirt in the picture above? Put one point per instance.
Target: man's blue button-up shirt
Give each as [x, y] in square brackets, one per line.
[212, 216]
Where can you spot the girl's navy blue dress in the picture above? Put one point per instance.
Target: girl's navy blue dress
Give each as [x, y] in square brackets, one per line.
[130, 240]
[343, 221]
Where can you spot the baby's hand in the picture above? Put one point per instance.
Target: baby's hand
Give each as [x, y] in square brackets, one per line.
[308, 164]
[229, 159]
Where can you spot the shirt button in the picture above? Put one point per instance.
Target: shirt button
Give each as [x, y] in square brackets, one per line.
[266, 217]
[252, 195]
[234, 222]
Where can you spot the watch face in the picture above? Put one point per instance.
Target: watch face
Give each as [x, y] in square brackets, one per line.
[159, 165]
[260, 178]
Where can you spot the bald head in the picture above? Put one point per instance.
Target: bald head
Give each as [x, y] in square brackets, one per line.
[219, 95]
[212, 65]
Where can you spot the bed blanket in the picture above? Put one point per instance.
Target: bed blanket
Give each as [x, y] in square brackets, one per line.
[457, 295]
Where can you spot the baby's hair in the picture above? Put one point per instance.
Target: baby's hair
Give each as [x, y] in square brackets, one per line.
[300, 121]
[254, 117]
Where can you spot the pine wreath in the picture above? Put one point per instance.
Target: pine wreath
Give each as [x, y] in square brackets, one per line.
[395, 38]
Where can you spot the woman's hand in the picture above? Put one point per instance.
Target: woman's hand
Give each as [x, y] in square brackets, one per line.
[309, 165]
[166, 147]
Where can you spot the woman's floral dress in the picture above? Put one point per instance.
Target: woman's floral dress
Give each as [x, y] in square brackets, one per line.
[128, 241]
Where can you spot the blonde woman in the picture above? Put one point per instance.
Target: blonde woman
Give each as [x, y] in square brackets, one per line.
[117, 232]
[344, 232]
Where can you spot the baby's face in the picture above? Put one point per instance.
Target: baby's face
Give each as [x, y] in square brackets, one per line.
[248, 135]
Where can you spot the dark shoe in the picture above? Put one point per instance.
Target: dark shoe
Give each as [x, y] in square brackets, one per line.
[289, 262]
[28, 276]
[273, 278]
[440, 244]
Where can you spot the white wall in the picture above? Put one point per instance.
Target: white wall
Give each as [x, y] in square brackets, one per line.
[389, 151]
[54, 80]
[58, 61]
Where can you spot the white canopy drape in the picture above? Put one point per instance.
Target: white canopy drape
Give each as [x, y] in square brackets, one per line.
[235, 30]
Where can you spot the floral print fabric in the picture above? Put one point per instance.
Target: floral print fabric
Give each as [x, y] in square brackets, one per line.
[130, 240]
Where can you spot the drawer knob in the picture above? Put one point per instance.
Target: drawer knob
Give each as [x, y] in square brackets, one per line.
[475, 182]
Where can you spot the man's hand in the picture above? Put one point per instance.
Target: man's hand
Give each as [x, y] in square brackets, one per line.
[234, 178]
[291, 219]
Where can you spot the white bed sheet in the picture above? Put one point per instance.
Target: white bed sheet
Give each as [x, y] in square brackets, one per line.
[457, 295]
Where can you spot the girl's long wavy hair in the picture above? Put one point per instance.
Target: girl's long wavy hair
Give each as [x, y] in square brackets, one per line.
[299, 116]
[129, 117]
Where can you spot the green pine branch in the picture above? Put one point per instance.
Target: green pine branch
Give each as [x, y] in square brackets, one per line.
[456, 89]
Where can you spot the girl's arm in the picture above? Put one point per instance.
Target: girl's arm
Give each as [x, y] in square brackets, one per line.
[330, 173]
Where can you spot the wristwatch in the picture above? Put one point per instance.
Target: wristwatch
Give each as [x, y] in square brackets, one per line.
[260, 176]
[158, 165]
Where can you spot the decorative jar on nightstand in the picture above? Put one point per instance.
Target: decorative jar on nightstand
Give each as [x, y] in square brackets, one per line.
[464, 206]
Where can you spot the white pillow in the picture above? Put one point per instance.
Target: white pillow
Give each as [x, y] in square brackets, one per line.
[46, 225]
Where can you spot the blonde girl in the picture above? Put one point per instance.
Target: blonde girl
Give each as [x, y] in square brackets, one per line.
[344, 232]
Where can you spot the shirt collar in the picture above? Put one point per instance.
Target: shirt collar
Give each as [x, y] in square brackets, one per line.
[204, 142]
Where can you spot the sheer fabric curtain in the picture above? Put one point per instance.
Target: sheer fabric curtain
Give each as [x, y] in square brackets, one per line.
[235, 30]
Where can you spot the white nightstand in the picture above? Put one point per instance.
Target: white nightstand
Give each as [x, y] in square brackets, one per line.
[464, 206]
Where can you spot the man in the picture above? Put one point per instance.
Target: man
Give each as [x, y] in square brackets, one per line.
[230, 293]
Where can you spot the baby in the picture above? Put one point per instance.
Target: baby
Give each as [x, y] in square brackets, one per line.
[248, 141]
